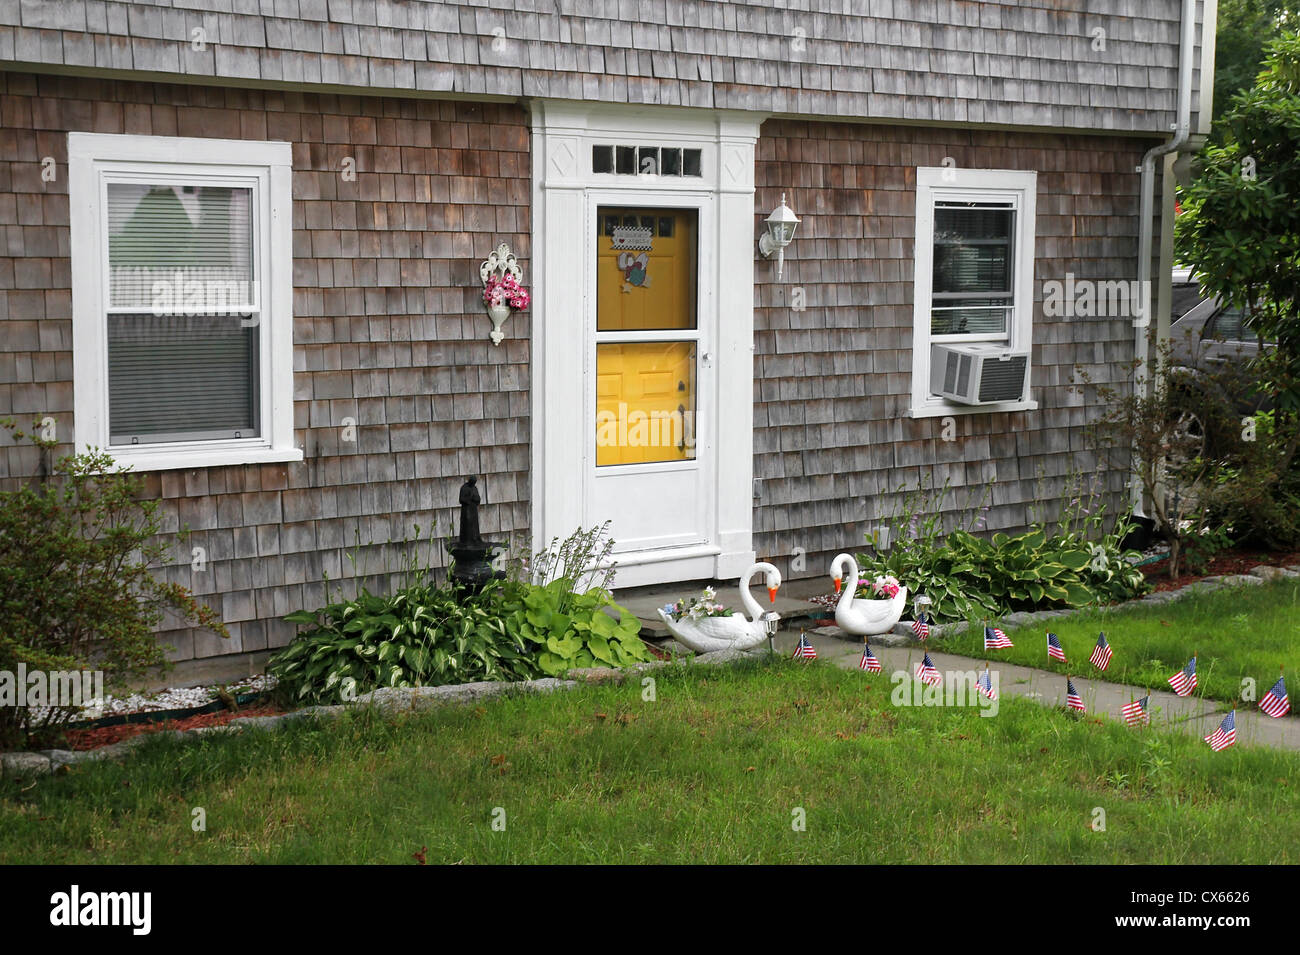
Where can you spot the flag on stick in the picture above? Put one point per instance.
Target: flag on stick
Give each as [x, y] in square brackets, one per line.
[926, 673]
[1072, 698]
[1135, 713]
[1275, 702]
[985, 685]
[868, 661]
[1225, 735]
[804, 650]
[921, 626]
[1054, 648]
[1100, 653]
[995, 639]
[1184, 681]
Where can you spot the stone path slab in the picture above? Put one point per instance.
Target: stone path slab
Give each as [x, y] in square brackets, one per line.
[1188, 715]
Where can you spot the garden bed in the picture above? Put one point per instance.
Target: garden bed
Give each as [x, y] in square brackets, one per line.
[92, 737]
[1221, 565]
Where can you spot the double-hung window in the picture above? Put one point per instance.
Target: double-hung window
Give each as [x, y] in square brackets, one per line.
[182, 299]
[973, 282]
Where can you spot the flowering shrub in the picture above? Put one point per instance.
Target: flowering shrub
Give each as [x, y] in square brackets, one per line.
[505, 290]
[696, 608]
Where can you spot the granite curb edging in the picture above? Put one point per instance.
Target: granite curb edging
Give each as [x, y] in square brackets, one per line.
[387, 700]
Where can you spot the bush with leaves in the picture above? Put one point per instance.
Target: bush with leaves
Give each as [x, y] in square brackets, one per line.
[428, 635]
[77, 591]
[422, 635]
[969, 577]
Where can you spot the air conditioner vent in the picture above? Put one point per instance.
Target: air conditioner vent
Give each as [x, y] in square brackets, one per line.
[978, 374]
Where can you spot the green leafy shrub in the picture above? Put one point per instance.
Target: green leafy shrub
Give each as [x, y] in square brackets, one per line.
[77, 590]
[967, 576]
[429, 635]
[419, 636]
[570, 630]
[1256, 489]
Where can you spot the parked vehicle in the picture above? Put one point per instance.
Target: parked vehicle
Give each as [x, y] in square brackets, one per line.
[1211, 349]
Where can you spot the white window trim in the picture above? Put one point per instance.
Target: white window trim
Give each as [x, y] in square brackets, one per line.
[90, 157]
[938, 183]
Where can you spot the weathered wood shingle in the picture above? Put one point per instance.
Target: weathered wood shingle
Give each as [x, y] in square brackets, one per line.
[947, 61]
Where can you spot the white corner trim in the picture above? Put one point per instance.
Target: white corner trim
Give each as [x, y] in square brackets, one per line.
[934, 183]
[92, 157]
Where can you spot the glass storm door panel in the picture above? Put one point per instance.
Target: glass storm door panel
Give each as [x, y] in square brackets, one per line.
[647, 366]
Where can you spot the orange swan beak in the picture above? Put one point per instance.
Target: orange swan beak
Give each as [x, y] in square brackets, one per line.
[771, 594]
[839, 582]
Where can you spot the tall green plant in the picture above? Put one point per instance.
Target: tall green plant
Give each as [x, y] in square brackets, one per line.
[77, 590]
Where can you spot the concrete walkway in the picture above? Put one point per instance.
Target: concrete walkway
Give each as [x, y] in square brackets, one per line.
[1189, 715]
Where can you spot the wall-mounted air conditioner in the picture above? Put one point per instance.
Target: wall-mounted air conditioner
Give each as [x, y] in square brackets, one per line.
[978, 374]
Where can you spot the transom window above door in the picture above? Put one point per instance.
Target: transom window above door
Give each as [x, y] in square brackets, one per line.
[647, 161]
[647, 335]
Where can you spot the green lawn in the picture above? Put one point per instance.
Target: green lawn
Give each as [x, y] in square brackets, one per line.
[710, 772]
[1244, 631]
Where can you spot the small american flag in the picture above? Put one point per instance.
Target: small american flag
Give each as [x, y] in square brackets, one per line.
[804, 650]
[921, 626]
[1184, 681]
[1136, 712]
[1054, 648]
[868, 661]
[995, 639]
[985, 685]
[1225, 735]
[1275, 702]
[1072, 698]
[1100, 653]
[926, 673]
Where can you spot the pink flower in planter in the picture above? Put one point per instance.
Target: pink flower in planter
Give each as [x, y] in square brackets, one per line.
[506, 290]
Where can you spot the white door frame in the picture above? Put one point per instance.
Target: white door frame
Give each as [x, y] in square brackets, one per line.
[565, 191]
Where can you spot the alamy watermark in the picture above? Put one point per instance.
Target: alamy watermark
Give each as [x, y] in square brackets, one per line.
[636, 428]
[80, 689]
[957, 688]
[1092, 298]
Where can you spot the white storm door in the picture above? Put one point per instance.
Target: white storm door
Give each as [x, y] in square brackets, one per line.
[648, 416]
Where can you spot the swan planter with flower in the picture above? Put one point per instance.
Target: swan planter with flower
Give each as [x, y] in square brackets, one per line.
[697, 627]
[864, 618]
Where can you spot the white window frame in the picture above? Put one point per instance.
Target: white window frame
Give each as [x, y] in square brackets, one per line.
[96, 158]
[937, 184]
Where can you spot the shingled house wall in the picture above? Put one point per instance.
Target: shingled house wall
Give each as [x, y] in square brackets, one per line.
[833, 440]
[389, 329]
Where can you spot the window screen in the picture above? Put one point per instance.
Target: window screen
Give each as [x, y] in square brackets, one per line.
[974, 255]
[183, 312]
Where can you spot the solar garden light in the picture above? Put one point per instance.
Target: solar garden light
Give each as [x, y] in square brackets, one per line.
[780, 232]
[920, 604]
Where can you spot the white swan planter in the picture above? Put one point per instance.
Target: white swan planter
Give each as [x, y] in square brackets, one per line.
[733, 632]
[865, 618]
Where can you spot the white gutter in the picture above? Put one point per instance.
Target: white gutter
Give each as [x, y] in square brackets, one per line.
[1182, 131]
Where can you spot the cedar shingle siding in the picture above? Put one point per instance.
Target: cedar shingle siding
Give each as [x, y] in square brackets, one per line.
[389, 329]
[1021, 63]
[832, 437]
[430, 100]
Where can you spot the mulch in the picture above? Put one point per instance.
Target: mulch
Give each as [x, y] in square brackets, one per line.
[82, 739]
[1221, 565]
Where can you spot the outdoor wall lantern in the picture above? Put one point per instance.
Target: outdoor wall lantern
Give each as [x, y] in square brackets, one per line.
[502, 291]
[780, 231]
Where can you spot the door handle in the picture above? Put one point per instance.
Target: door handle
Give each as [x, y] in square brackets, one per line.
[681, 444]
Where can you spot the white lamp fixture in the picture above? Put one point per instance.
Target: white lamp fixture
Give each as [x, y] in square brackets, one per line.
[780, 231]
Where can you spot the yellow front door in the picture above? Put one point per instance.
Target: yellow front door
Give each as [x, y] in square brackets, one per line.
[645, 384]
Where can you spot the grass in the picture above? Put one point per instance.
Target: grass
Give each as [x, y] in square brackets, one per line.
[711, 771]
[1237, 632]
